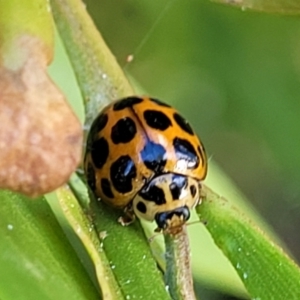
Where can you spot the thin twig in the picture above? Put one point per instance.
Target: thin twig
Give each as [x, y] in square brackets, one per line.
[178, 276]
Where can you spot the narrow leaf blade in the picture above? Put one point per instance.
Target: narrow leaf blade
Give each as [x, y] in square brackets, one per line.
[36, 260]
[126, 249]
[266, 271]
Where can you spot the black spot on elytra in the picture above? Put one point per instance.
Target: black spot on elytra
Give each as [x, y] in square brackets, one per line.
[99, 152]
[157, 119]
[126, 102]
[122, 172]
[185, 151]
[106, 189]
[153, 193]
[193, 190]
[98, 124]
[91, 177]
[123, 131]
[141, 207]
[159, 102]
[183, 123]
[178, 184]
[153, 156]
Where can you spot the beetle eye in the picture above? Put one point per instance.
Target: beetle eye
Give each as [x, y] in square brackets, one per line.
[162, 218]
[185, 212]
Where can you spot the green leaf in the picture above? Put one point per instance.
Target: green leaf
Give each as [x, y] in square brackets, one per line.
[125, 248]
[36, 260]
[211, 268]
[266, 271]
[279, 6]
[84, 229]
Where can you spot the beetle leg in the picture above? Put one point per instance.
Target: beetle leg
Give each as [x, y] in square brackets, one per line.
[128, 216]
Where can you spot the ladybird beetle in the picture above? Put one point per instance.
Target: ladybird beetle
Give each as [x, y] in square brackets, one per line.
[142, 155]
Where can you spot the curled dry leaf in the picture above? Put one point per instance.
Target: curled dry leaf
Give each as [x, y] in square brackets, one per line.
[40, 137]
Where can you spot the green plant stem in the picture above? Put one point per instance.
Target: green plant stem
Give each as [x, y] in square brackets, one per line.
[100, 78]
[178, 275]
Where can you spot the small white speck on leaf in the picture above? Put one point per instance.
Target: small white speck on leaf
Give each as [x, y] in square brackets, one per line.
[103, 235]
[129, 58]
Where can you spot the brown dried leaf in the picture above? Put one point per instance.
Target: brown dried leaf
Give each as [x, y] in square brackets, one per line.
[40, 137]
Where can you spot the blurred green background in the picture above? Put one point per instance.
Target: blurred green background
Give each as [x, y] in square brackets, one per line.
[235, 75]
